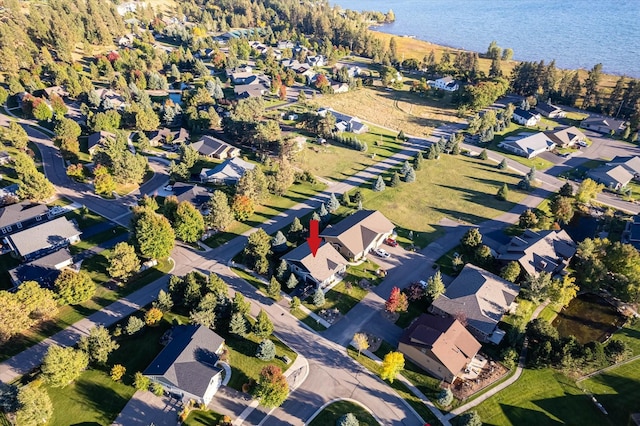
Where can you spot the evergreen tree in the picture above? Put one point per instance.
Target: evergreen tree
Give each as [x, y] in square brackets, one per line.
[410, 176]
[279, 242]
[238, 324]
[405, 168]
[163, 302]
[401, 136]
[239, 304]
[282, 269]
[295, 228]
[333, 204]
[318, 298]
[323, 213]
[483, 155]
[263, 327]
[503, 164]
[417, 162]
[220, 214]
[435, 286]
[503, 193]
[274, 288]
[292, 282]
[379, 184]
[266, 350]
[395, 180]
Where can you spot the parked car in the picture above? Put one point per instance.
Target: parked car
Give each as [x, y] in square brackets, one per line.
[583, 143]
[382, 253]
[391, 242]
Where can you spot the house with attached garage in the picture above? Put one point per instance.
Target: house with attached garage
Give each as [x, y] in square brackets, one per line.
[43, 238]
[631, 164]
[44, 270]
[228, 173]
[186, 367]
[23, 215]
[550, 111]
[195, 194]
[166, 135]
[448, 84]
[604, 125]
[323, 269]
[358, 234]
[526, 117]
[481, 298]
[439, 345]
[215, 148]
[528, 145]
[344, 122]
[543, 251]
[566, 136]
[612, 176]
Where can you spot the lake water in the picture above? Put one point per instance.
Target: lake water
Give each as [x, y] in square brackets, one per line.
[576, 33]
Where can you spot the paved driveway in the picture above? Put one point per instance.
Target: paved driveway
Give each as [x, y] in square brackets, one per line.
[145, 409]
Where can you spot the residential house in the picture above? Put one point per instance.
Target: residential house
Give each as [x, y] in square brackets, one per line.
[316, 61]
[166, 135]
[245, 91]
[631, 164]
[126, 40]
[55, 90]
[5, 158]
[43, 238]
[566, 136]
[215, 148]
[604, 125]
[439, 345]
[344, 122]
[448, 84]
[286, 44]
[481, 298]
[97, 139]
[111, 98]
[632, 232]
[549, 110]
[612, 176]
[323, 269]
[44, 270]
[229, 172]
[359, 233]
[337, 87]
[196, 195]
[23, 215]
[186, 366]
[543, 251]
[528, 145]
[126, 7]
[526, 117]
[240, 74]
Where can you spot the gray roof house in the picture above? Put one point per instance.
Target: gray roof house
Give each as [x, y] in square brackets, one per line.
[196, 195]
[324, 268]
[549, 110]
[481, 298]
[603, 124]
[548, 251]
[632, 164]
[228, 172]
[215, 148]
[356, 235]
[566, 136]
[632, 232]
[525, 117]
[344, 122]
[21, 215]
[186, 365]
[166, 135]
[528, 145]
[612, 176]
[44, 270]
[44, 238]
[95, 140]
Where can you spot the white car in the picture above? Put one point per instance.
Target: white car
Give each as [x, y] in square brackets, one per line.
[583, 143]
[382, 253]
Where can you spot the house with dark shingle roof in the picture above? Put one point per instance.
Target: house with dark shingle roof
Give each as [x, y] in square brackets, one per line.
[228, 173]
[549, 110]
[44, 238]
[215, 148]
[23, 215]
[525, 117]
[481, 298]
[186, 365]
[196, 195]
[632, 232]
[439, 345]
[544, 251]
[344, 122]
[603, 124]
[324, 268]
[97, 139]
[359, 233]
[44, 270]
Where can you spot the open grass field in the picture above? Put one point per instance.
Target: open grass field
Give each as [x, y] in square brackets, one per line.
[274, 205]
[617, 391]
[337, 162]
[67, 315]
[458, 187]
[333, 412]
[396, 109]
[541, 397]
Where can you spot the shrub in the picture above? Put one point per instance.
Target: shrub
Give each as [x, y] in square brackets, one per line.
[348, 419]
[141, 382]
[134, 325]
[153, 316]
[117, 371]
[266, 350]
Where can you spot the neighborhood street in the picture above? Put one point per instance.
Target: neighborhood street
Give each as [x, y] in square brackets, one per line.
[332, 373]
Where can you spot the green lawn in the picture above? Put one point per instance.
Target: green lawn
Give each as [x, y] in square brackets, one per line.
[274, 205]
[251, 280]
[332, 413]
[68, 315]
[541, 397]
[338, 162]
[617, 391]
[200, 418]
[512, 130]
[398, 386]
[458, 187]
[308, 320]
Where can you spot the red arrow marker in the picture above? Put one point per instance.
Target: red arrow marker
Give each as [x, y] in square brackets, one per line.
[314, 239]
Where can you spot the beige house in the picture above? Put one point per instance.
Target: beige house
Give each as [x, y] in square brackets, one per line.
[359, 233]
[566, 136]
[439, 345]
[481, 298]
[324, 268]
[215, 148]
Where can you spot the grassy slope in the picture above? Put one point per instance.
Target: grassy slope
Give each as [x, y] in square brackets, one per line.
[331, 414]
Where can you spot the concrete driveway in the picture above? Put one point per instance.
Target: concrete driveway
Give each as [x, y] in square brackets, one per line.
[145, 409]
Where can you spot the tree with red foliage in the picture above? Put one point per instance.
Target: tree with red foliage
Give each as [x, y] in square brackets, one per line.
[283, 92]
[394, 299]
[321, 81]
[272, 388]
[113, 56]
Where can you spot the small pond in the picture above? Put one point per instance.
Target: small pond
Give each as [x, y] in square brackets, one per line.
[589, 318]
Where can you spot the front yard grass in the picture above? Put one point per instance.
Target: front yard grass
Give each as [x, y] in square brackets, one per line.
[332, 413]
[200, 417]
[458, 187]
[539, 397]
[337, 162]
[68, 315]
[514, 129]
[274, 205]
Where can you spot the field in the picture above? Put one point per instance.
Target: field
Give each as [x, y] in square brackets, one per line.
[398, 110]
[331, 414]
[541, 397]
[458, 187]
[337, 162]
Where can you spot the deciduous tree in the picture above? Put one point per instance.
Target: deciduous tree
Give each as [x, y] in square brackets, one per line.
[189, 223]
[511, 271]
[153, 316]
[14, 318]
[35, 407]
[123, 262]
[62, 366]
[588, 190]
[272, 387]
[360, 342]
[98, 345]
[392, 364]
[73, 288]
[153, 235]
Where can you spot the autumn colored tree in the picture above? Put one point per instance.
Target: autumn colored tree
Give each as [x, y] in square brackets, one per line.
[392, 364]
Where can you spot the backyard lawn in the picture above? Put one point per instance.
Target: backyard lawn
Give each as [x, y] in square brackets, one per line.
[331, 413]
[541, 397]
[458, 187]
[274, 205]
[338, 162]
